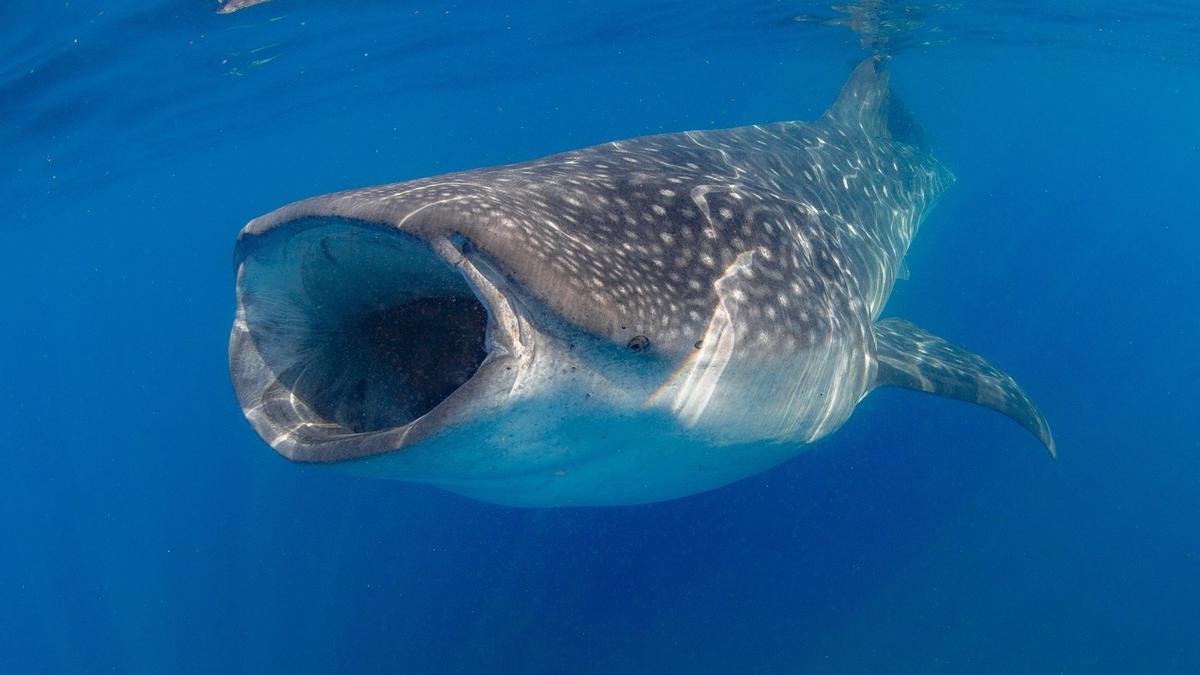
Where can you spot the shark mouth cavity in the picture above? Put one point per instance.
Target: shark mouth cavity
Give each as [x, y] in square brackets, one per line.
[349, 335]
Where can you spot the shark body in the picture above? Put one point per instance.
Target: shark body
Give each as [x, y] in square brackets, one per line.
[630, 322]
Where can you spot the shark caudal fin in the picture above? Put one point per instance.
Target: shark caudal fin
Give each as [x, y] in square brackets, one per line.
[866, 102]
[912, 358]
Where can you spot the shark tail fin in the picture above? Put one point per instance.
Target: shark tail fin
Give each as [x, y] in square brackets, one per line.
[867, 103]
[912, 358]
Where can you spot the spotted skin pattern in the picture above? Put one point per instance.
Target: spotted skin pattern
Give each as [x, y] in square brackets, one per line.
[730, 279]
[626, 238]
[231, 6]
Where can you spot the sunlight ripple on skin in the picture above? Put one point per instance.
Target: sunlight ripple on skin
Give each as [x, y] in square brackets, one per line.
[665, 314]
[231, 6]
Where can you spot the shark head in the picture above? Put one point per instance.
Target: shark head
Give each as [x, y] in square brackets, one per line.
[449, 352]
[355, 338]
[630, 322]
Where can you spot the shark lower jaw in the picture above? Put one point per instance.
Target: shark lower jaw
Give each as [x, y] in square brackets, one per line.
[355, 339]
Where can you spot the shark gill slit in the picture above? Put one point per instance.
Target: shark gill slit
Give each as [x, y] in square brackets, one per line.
[360, 327]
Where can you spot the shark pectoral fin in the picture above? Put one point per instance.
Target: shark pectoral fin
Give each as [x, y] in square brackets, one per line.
[912, 358]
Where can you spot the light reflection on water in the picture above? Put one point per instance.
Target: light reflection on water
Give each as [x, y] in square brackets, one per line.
[137, 80]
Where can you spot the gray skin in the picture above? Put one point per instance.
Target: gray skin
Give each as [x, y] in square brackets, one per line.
[631, 322]
[231, 6]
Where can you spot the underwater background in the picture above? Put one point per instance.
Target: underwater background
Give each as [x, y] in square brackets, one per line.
[145, 528]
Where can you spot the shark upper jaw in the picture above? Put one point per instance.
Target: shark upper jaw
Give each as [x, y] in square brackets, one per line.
[354, 339]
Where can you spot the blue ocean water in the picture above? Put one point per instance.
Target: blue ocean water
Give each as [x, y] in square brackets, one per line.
[146, 529]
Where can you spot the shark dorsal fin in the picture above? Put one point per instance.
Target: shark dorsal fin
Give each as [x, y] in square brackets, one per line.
[867, 103]
[863, 100]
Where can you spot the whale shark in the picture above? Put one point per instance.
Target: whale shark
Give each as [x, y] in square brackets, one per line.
[625, 323]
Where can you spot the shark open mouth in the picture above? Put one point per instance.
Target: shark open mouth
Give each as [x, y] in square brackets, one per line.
[348, 329]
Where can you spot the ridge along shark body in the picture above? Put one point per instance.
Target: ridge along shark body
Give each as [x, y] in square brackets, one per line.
[631, 322]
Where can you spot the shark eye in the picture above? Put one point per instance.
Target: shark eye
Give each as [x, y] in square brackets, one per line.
[639, 343]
